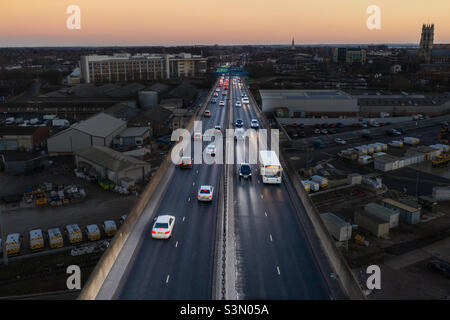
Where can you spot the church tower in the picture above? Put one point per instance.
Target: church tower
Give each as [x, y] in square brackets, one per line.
[426, 42]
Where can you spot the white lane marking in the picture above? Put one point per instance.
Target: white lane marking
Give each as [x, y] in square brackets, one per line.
[262, 197]
[278, 269]
[167, 279]
[265, 213]
[258, 181]
[176, 244]
[189, 199]
[197, 171]
[184, 218]
[271, 239]
[193, 183]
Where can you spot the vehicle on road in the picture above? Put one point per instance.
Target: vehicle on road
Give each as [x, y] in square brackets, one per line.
[317, 131]
[216, 94]
[205, 193]
[340, 141]
[239, 123]
[324, 131]
[163, 227]
[211, 150]
[207, 113]
[270, 168]
[439, 266]
[197, 136]
[245, 100]
[319, 144]
[238, 104]
[186, 162]
[245, 171]
[239, 134]
[218, 128]
[213, 100]
[254, 124]
[224, 93]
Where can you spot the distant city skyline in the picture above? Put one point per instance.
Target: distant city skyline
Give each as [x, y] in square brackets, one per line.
[201, 22]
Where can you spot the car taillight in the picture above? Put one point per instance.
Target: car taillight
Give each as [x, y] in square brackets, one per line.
[153, 231]
[199, 196]
[167, 232]
[210, 196]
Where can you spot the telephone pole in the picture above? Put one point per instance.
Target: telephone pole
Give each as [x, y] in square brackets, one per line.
[2, 235]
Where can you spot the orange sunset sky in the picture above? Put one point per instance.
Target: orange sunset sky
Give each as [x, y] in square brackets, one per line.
[196, 22]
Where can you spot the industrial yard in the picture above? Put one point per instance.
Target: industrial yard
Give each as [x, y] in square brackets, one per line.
[386, 203]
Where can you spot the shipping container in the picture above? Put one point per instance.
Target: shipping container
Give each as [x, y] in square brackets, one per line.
[306, 185]
[337, 227]
[110, 228]
[383, 213]
[93, 232]
[371, 223]
[441, 193]
[408, 214]
[321, 180]
[12, 244]
[314, 186]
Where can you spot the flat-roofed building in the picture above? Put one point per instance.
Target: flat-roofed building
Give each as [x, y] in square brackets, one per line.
[127, 67]
[27, 138]
[303, 103]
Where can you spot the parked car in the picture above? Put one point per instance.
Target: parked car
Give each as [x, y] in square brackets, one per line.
[340, 141]
[439, 266]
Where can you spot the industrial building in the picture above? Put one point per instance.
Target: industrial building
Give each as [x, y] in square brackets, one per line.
[372, 223]
[349, 55]
[23, 138]
[98, 130]
[337, 103]
[133, 136]
[303, 103]
[127, 67]
[112, 165]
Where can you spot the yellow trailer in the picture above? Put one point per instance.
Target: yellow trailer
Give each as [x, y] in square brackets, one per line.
[74, 233]
[12, 244]
[55, 238]
[36, 240]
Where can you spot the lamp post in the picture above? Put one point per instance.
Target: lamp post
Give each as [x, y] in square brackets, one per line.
[2, 235]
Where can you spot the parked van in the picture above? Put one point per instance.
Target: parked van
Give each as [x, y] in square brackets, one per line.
[74, 233]
[36, 240]
[12, 244]
[55, 238]
[10, 121]
[93, 232]
[306, 185]
[110, 228]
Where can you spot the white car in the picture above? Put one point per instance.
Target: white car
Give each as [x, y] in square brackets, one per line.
[245, 100]
[238, 104]
[163, 227]
[340, 141]
[211, 150]
[222, 104]
[197, 136]
[205, 193]
[254, 124]
[239, 134]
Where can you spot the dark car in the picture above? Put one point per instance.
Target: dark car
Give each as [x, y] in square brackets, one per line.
[340, 125]
[213, 100]
[332, 131]
[245, 171]
[439, 266]
[239, 123]
[400, 130]
[367, 136]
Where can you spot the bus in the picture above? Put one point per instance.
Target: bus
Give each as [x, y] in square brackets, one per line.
[270, 169]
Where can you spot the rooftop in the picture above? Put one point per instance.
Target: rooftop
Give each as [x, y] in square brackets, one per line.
[18, 130]
[304, 94]
[100, 125]
[112, 160]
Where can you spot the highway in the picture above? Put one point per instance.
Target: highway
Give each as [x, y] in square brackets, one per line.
[181, 267]
[274, 259]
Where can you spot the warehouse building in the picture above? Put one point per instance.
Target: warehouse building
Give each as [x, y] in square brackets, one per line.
[133, 136]
[23, 138]
[98, 130]
[303, 103]
[112, 165]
